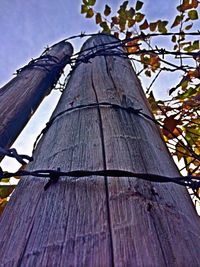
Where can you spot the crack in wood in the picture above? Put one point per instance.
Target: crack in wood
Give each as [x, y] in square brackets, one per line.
[105, 177]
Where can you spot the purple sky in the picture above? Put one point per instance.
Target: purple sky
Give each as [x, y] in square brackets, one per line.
[26, 27]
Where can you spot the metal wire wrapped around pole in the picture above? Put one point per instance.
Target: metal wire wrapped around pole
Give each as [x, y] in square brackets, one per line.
[20, 97]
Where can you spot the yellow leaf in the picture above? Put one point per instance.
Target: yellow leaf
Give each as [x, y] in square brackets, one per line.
[131, 22]
[133, 46]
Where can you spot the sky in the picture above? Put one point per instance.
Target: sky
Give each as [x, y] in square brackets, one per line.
[26, 27]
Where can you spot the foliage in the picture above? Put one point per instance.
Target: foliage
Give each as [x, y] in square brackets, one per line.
[179, 116]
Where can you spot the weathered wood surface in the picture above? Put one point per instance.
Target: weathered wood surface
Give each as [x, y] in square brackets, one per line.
[95, 221]
[20, 97]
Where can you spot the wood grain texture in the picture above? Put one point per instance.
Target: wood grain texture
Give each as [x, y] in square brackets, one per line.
[21, 96]
[95, 221]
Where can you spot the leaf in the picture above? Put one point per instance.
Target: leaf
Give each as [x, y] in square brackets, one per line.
[124, 5]
[174, 38]
[180, 151]
[145, 59]
[154, 62]
[153, 26]
[98, 18]
[188, 94]
[192, 14]
[194, 46]
[91, 2]
[133, 46]
[187, 5]
[139, 17]
[162, 26]
[130, 13]
[188, 27]
[84, 9]
[148, 73]
[3, 203]
[105, 27]
[128, 35]
[177, 21]
[138, 5]
[152, 102]
[107, 10]
[171, 130]
[6, 190]
[116, 34]
[184, 6]
[90, 13]
[131, 22]
[194, 3]
[144, 26]
[122, 24]
[85, 2]
[115, 20]
[5, 180]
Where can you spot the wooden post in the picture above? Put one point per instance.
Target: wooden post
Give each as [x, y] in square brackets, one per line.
[20, 97]
[95, 221]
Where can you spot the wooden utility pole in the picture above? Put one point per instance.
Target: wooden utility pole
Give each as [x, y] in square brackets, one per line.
[101, 221]
[20, 97]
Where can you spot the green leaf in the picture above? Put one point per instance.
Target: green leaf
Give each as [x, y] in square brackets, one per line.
[194, 46]
[85, 2]
[98, 18]
[162, 26]
[192, 14]
[130, 13]
[189, 93]
[138, 5]
[124, 5]
[84, 9]
[122, 23]
[91, 2]
[107, 10]
[105, 27]
[90, 13]
[6, 190]
[177, 21]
